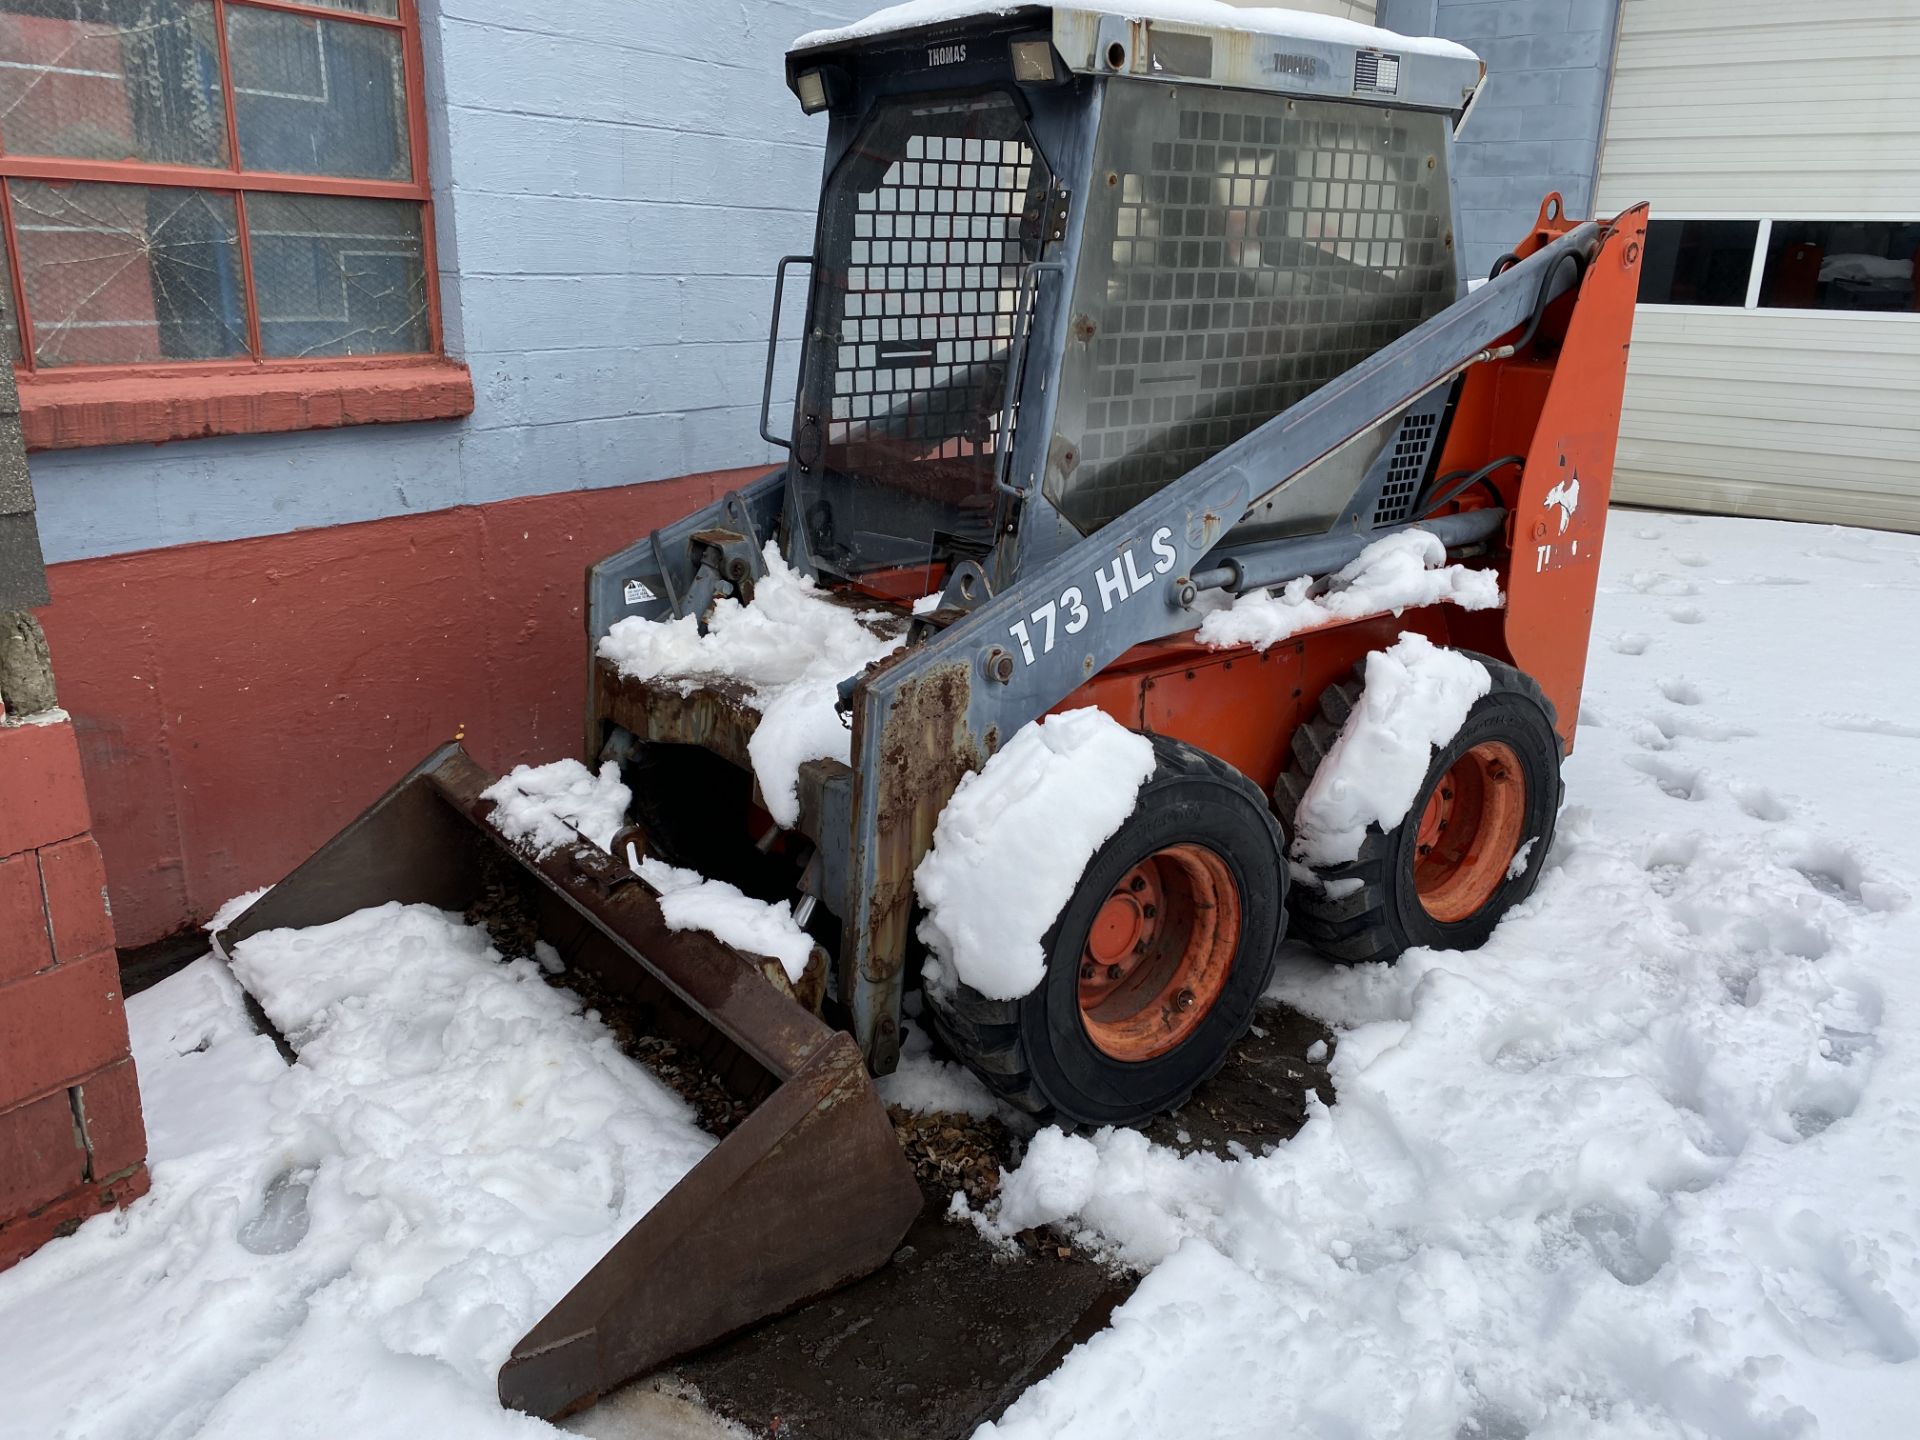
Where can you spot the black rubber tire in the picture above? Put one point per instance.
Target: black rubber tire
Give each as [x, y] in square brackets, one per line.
[1384, 916]
[1034, 1051]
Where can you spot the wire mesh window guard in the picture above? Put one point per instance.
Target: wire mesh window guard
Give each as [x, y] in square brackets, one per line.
[932, 229]
[212, 180]
[1242, 250]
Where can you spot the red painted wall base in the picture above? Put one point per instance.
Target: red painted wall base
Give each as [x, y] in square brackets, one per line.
[237, 703]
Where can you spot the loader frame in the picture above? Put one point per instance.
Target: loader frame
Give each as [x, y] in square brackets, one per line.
[995, 657]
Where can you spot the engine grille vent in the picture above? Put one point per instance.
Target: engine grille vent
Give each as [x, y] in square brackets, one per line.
[1407, 466]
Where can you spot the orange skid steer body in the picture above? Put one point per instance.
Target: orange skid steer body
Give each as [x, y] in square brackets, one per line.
[1092, 348]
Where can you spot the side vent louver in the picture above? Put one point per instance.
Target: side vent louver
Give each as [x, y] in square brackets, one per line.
[1412, 444]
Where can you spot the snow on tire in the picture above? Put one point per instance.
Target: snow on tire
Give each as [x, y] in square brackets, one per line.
[1154, 966]
[1467, 851]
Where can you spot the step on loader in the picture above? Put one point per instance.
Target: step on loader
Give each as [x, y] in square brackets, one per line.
[1109, 321]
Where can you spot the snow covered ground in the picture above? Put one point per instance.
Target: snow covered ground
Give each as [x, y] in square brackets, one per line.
[1646, 1165]
[1649, 1163]
[348, 1246]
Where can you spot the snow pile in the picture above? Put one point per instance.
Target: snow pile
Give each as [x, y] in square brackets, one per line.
[1643, 1165]
[921, 1082]
[789, 650]
[689, 901]
[1009, 848]
[542, 806]
[350, 1245]
[234, 909]
[1400, 571]
[546, 806]
[1263, 20]
[1415, 698]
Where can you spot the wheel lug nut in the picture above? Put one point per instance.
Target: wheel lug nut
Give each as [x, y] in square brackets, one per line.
[1113, 972]
[1184, 1000]
[1148, 911]
[1137, 884]
[1086, 971]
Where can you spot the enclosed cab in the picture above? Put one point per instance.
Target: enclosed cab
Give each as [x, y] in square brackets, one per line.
[1064, 256]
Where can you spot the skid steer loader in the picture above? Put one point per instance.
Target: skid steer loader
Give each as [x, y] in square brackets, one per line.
[1108, 318]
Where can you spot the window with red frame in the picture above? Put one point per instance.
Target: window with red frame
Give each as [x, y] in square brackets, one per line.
[229, 181]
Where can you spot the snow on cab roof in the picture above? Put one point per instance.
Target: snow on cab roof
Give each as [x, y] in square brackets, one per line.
[1199, 14]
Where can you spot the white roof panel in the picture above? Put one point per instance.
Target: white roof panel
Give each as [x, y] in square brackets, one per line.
[1191, 14]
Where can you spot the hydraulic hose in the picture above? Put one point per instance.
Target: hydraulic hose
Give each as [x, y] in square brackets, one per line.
[1467, 479]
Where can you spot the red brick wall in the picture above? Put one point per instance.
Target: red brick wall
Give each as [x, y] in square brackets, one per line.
[71, 1139]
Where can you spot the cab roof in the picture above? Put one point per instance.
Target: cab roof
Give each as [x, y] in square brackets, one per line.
[1296, 52]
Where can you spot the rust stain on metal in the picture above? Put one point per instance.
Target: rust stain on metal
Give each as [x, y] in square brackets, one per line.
[924, 752]
[719, 716]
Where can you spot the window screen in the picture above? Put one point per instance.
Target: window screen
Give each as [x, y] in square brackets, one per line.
[1241, 250]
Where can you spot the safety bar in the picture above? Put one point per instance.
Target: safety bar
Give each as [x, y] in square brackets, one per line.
[773, 346]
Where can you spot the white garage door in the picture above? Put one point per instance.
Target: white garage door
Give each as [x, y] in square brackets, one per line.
[1776, 353]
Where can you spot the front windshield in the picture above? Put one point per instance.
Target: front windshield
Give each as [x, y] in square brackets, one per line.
[926, 230]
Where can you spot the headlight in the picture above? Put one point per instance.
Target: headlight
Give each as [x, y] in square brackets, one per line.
[812, 89]
[1033, 62]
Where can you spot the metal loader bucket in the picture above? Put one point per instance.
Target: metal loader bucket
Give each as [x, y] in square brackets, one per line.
[809, 1192]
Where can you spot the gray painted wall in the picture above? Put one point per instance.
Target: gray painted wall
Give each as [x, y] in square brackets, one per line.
[1537, 126]
[613, 184]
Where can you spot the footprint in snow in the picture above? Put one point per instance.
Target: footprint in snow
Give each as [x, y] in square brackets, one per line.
[1631, 643]
[1671, 852]
[1632, 1254]
[281, 1221]
[1834, 552]
[1680, 781]
[1871, 725]
[1760, 802]
[1681, 691]
[1780, 930]
[1834, 870]
[1657, 582]
[1686, 615]
[1685, 725]
[1829, 1290]
[1691, 558]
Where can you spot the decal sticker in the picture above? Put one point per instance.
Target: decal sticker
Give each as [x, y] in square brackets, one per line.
[1567, 496]
[1114, 584]
[638, 592]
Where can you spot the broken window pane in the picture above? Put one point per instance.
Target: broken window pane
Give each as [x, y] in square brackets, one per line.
[338, 276]
[112, 80]
[318, 97]
[122, 273]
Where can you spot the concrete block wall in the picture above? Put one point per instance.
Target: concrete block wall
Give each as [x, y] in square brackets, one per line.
[72, 1142]
[614, 181]
[1537, 126]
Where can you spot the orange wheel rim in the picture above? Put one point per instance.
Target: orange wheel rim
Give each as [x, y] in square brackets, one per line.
[1158, 953]
[1470, 832]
